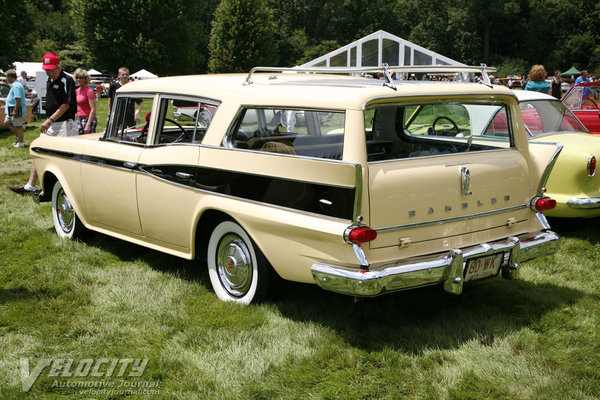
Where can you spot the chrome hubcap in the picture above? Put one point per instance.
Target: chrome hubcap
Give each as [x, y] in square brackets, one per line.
[234, 265]
[65, 213]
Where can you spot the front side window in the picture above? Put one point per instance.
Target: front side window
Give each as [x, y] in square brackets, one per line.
[573, 100]
[130, 119]
[303, 132]
[421, 129]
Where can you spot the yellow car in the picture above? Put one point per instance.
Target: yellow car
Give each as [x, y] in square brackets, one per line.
[358, 185]
[573, 182]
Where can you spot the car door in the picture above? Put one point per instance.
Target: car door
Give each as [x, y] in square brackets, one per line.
[439, 177]
[167, 200]
[109, 170]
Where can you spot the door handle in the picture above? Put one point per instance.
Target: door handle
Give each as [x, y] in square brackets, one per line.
[183, 175]
[129, 164]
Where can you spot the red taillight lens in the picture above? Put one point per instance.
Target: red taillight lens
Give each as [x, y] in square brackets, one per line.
[361, 234]
[591, 166]
[543, 203]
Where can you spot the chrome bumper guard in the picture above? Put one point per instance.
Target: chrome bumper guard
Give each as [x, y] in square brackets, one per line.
[447, 268]
[584, 203]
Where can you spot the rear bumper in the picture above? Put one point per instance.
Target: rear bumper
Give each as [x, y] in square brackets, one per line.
[443, 268]
[584, 203]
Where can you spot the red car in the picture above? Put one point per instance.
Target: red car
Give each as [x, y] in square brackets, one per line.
[584, 100]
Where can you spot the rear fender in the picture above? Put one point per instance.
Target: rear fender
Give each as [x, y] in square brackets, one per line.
[544, 156]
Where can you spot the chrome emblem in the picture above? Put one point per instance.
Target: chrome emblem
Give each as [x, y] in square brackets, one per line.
[465, 177]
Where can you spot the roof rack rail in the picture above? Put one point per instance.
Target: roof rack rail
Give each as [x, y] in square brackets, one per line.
[383, 69]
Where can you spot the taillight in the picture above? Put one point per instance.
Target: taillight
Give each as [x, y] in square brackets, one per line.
[591, 166]
[360, 234]
[542, 203]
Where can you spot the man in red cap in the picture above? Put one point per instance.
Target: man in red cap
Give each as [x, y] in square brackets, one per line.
[61, 107]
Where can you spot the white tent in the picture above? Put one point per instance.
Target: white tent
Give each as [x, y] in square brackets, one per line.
[30, 67]
[143, 74]
[94, 72]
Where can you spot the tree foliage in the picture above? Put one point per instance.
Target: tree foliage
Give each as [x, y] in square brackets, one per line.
[179, 36]
[168, 38]
[242, 36]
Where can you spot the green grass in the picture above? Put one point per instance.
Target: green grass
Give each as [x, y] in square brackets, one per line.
[536, 338]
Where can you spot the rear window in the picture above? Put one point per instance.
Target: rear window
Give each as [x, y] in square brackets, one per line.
[419, 130]
[301, 132]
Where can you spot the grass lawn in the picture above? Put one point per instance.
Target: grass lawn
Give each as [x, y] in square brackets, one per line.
[87, 306]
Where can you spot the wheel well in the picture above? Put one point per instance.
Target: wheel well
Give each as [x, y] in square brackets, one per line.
[48, 181]
[206, 224]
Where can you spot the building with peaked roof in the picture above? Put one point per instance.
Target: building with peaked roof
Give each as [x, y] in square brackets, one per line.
[380, 48]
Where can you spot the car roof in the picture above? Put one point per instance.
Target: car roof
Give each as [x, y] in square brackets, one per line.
[294, 89]
[529, 95]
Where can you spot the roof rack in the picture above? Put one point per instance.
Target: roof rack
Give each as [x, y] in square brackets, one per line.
[384, 69]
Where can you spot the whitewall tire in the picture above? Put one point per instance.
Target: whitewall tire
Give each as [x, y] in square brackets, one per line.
[237, 268]
[66, 222]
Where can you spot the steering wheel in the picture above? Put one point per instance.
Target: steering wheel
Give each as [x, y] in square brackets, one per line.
[448, 132]
[181, 128]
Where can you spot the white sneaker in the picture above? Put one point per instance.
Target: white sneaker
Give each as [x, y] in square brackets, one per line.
[19, 144]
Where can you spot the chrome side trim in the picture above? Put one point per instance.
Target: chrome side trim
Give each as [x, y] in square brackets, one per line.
[446, 268]
[450, 220]
[584, 203]
[227, 196]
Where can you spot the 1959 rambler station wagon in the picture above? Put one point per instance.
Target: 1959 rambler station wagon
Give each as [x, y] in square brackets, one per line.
[359, 185]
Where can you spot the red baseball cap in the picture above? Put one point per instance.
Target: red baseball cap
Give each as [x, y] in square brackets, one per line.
[50, 61]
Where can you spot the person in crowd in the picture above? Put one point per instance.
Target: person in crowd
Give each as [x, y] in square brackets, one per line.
[15, 107]
[584, 77]
[537, 79]
[61, 107]
[131, 116]
[99, 91]
[556, 85]
[86, 103]
[23, 80]
[35, 105]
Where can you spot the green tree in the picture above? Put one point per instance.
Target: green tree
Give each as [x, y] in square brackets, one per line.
[242, 36]
[15, 32]
[167, 39]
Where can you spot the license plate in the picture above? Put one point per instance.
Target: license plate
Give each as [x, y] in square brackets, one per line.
[483, 267]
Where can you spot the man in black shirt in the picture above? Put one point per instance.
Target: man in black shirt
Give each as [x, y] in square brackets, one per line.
[131, 115]
[61, 107]
[61, 103]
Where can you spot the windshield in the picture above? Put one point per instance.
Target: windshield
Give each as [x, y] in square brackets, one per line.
[548, 116]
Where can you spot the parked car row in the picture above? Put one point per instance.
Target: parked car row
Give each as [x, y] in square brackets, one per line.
[360, 186]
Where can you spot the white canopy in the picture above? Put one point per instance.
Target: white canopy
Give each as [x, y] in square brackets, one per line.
[30, 67]
[143, 74]
[94, 72]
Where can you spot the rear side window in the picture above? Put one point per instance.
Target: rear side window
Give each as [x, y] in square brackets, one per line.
[301, 132]
[419, 130]
[182, 121]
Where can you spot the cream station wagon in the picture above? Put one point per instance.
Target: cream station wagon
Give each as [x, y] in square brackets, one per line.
[362, 186]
